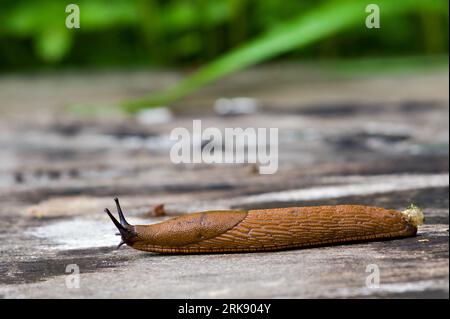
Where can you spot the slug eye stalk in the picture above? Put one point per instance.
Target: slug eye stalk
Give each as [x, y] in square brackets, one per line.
[125, 229]
[123, 221]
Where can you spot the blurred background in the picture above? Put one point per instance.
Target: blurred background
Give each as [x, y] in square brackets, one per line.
[189, 33]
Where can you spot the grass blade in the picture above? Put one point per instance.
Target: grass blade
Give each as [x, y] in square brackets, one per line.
[324, 21]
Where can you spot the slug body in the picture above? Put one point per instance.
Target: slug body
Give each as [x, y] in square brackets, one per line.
[268, 229]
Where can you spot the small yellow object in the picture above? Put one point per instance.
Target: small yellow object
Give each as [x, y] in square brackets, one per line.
[414, 215]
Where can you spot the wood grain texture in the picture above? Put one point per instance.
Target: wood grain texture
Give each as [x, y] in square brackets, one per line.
[271, 229]
[48, 154]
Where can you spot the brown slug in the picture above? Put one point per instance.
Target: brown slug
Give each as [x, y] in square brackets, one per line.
[268, 229]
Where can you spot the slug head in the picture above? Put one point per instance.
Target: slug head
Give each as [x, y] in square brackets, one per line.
[126, 231]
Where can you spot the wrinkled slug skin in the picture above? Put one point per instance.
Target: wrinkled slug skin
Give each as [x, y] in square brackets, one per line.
[271, 229]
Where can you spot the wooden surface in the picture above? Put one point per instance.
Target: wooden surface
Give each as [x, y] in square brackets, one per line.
[372, 140]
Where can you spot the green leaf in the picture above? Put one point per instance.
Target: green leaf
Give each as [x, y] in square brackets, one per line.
[53, 44]
[307, 28]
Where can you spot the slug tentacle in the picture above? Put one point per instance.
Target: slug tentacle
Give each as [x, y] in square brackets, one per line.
[114, 220]
[122, 219]
[126, 231]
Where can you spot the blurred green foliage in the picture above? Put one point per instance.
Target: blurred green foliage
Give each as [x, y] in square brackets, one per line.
[182, 33]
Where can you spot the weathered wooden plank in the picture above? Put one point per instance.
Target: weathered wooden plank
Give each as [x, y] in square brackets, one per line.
[342, 142]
